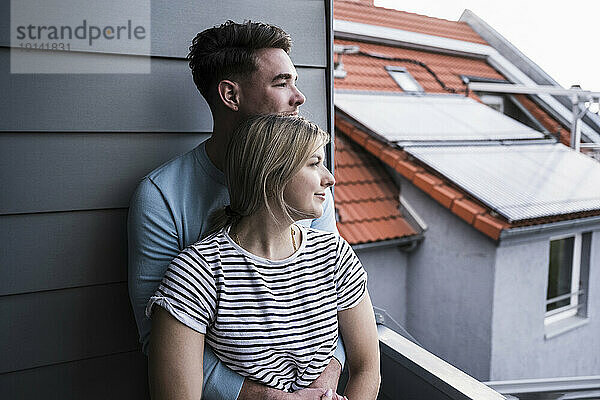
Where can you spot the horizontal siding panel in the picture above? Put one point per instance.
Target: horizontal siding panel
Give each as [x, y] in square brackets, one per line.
[304, 20]
[43, 172]
[166, 100]
[61, 171]
[60, 250]
[174, 24]
[120, 376]
[65, 325]
[312, 82]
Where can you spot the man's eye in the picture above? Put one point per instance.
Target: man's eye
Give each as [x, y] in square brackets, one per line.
[282, 84]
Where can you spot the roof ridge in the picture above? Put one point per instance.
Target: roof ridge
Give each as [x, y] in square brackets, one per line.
[395, 10]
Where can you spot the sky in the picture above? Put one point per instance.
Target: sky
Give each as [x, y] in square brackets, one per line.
[561, 37]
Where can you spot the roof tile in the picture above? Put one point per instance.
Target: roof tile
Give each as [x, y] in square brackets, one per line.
[343, 124]
[391, 156]
[374, 231]
[426, 181]
[407, 169]
[489, 225]
[374, 147]
[467, 210]
[445, 195]
[547, 122]
[364, 191]
[367, 73]
[367, 199]
[369, 14]
[357, 174]
[359, 136]
[368, 210]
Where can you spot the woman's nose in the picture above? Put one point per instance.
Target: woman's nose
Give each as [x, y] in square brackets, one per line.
[328, 179]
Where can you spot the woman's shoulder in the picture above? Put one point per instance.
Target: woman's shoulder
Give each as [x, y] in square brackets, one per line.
[207, 248]
[215, 239]
[323, 237]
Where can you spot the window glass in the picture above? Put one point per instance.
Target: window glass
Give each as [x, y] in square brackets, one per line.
[561, 270]
[404, 79]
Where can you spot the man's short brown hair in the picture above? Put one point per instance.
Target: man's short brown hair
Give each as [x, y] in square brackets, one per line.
[228, 52]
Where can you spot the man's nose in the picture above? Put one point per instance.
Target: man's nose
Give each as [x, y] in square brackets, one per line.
[298, 99]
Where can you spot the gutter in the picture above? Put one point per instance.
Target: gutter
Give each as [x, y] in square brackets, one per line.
[406, 243]
[398, 37]
[526, 233]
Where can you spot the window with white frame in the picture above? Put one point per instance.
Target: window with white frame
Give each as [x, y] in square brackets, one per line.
[564, 273]
[404, 79]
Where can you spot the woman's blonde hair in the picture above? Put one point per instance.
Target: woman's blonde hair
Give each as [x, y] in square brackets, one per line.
[264, 153]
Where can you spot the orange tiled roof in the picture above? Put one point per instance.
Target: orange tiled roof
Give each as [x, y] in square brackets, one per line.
[369, 14]
[548, 122]
[366, 198]
[366, 73]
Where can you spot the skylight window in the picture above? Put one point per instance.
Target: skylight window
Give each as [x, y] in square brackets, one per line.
[404, 79]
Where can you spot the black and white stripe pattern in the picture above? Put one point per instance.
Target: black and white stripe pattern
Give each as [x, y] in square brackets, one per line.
[272, 321]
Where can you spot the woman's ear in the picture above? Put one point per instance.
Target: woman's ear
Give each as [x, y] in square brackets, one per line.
[229, 94]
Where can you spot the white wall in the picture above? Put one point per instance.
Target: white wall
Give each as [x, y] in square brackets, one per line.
[450, 287]
[519, 347]
[386, 270]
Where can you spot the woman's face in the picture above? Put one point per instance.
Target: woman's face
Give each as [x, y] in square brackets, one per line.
[305, 192]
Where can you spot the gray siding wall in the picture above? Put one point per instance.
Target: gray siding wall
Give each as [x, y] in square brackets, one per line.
[72, 150]
[519, 348]
[449, 287]
[386, 270]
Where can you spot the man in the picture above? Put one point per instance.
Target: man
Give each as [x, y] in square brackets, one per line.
[241, 70]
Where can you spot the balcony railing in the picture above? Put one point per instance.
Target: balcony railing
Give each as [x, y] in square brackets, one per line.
[411, 372]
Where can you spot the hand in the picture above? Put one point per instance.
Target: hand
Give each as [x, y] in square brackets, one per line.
[329, 377]
[330, 394]
[316, 394]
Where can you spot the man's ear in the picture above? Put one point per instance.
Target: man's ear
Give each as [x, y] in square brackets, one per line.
[229, 93]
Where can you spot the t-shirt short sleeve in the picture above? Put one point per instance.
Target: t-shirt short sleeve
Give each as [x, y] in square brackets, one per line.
[350, 277]
[187, 291]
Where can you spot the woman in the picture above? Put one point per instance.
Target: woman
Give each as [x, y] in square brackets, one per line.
[266, 294]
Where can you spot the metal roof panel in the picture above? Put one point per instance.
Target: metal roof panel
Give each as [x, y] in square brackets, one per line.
[408, 118]
[520, 182]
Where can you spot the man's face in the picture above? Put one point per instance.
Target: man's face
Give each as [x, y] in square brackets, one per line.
[272, 87]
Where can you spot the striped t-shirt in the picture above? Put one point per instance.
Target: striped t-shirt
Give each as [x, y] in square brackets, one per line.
[274, 322]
